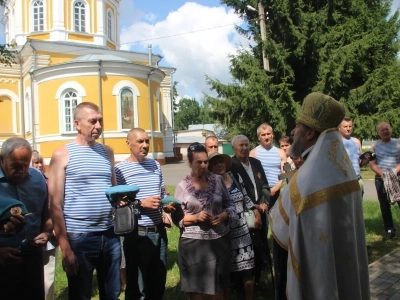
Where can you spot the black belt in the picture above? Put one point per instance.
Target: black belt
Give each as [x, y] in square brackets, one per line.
[148, 228]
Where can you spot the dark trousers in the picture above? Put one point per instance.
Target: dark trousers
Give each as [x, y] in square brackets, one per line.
[146, 271]
[95, 250]
[25, 280]
[280, 269]
[384, 205]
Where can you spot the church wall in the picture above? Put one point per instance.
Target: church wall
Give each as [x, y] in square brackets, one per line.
[6, 116]
[39, 36]
[80, 37]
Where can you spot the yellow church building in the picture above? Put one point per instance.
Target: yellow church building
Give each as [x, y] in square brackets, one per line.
[68, 52]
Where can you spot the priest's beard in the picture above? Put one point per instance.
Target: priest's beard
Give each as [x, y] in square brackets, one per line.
[297, 147]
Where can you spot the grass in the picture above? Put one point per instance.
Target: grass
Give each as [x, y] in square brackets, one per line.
[373, 226]
[367, 173]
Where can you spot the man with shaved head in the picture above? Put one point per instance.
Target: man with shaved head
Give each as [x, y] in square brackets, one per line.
[145, 252]
[387, 155]
[80, 173]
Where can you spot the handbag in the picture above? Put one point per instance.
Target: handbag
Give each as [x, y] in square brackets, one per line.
[125, 217]
[248, 213]
[125, 220]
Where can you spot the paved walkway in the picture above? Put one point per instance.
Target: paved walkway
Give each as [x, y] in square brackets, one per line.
[384, 276]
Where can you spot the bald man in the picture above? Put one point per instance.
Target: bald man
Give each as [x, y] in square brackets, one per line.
[145, 252]
[387, 158]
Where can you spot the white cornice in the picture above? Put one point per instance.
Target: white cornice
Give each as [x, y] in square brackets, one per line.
[75, 69]
[83, 49]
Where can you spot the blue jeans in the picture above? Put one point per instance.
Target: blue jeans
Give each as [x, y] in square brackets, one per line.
[100, 251]
[146, 271]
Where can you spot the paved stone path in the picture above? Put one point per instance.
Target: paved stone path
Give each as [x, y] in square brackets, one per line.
[384, 276]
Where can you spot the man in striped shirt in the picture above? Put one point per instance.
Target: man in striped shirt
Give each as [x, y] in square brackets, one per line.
[80, 173]
[272, 159]
[387, 154]
[145, 253]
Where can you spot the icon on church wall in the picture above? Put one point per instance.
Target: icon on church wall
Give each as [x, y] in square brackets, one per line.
[127, 109]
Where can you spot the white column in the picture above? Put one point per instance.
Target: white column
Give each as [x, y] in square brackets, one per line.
[100, 17]
[117, 29]
[58, 15]
[168, 133]
[18, 17]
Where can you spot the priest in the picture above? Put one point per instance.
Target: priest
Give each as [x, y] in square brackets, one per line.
[319, 216]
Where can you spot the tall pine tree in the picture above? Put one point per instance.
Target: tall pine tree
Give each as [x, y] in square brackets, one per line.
[345, 48]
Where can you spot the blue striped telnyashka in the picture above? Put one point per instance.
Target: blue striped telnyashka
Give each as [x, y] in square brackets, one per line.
[87, 176]
[387, 155]
[148, 177]
[271, 162]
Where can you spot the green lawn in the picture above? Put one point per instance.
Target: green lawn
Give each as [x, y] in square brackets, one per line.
[373, 226]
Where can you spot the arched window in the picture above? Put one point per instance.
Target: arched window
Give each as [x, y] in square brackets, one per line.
[79, 17]
[110, 26]
[127, 112]
[38, 15]
[69, 102]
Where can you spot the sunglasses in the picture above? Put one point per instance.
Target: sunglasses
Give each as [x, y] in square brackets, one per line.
[196, 147]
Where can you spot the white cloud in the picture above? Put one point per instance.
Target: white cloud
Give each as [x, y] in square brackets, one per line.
[188, 43]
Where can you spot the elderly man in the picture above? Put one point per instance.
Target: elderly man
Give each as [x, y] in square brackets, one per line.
[353, 147]
[21, 272]
[211, 143]
[319, 217]
[272, 159]
[257, 188]
[80, 173]
[145, 253]
[387, 154]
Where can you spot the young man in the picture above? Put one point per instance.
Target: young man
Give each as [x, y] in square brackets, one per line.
[80, 173]
[272, 159]
[353, 147]
[211, 143]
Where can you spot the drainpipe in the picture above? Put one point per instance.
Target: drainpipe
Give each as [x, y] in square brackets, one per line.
[153, 150]
[101, 98]
[31, 73]
[22, 98]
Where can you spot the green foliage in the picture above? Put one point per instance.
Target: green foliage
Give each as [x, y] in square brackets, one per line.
[347, 49]
[188, 112]
[7, 54]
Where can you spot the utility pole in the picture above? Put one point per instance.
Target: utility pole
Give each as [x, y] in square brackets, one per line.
[263, 29]
[261, 14]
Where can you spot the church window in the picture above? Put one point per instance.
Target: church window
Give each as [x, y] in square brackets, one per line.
[127, 113]
[79, 16]
[110, 26]
[38, 16]
[70, 101]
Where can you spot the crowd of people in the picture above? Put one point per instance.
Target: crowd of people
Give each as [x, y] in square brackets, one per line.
[307, 192]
